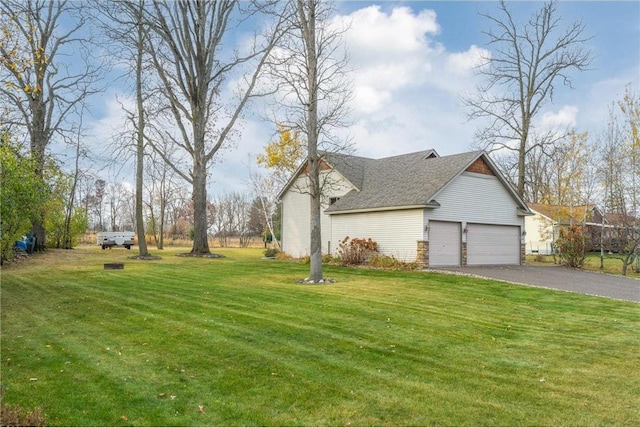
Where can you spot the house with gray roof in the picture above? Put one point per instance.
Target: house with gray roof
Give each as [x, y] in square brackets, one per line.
[436, 210]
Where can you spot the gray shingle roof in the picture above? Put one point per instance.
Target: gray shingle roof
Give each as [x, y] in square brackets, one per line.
[399, 181]
[351, 167]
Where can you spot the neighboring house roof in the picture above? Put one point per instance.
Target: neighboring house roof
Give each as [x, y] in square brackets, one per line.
[566, 213]
[408, 180]
[617, 219]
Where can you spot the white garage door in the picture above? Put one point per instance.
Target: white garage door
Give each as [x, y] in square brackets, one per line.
[444, 243]
[493, 245]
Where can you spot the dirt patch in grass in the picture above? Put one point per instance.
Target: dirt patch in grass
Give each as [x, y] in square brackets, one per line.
[149, 257]
[309, 281]
[201, 255]
[16, 416]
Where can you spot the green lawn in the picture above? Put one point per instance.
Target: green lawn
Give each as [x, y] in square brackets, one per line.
[235, 341]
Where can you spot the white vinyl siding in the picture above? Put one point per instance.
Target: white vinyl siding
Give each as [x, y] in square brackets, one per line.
[396, 232]
[539, 237]
[475, 198]
[296, 210]
[444, 244]
[295, 223]
[489, 244]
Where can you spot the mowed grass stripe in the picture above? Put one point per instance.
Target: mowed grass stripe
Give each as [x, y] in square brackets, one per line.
[240, 338]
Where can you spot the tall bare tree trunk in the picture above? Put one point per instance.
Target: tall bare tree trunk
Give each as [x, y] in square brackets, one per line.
[307, 17]
[142, 241]
[200, 223]
[187, 49]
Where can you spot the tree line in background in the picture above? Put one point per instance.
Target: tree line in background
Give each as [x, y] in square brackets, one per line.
[182, 114]
[110, 206]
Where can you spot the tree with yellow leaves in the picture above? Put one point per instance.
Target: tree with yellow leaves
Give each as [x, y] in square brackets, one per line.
[283, 155]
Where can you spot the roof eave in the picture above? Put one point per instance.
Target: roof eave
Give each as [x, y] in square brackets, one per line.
[523, 213]
[378, 209]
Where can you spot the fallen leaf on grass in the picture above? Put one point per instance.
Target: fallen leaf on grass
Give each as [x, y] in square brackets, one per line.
[201, 409]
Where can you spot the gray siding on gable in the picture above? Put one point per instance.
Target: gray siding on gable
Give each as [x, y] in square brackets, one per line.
[475, 198]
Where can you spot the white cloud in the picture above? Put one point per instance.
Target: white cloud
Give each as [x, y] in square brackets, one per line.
[564, 117]
[465, 62]
[369, 100]
[406, 83]
[371, 31]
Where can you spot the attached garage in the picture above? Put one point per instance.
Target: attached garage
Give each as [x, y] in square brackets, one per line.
[489, 244]
[419, 207]
[444, 243]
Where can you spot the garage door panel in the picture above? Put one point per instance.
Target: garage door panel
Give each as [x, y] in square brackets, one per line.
[493, 244]
[444, 243]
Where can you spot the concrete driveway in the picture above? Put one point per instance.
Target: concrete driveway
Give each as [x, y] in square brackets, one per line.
[560, 278]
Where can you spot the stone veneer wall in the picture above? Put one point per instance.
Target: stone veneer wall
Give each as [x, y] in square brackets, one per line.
[464, 254]
[422, 258]
[523, 254]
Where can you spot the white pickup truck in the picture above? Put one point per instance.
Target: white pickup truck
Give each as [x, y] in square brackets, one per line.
[112, 239]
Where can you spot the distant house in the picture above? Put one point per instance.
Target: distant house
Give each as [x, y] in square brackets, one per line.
[542, 229]
[439, 211]
[620, 231]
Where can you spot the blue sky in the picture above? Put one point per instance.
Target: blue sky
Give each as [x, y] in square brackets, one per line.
[412, 62]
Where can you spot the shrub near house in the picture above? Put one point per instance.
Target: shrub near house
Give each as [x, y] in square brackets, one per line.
[572, 245]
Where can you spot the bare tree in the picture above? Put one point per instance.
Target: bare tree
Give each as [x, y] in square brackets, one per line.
[116, 204]
[222, 217]
[566, 171]
[140, 39]
[527, 63]
[242, 212]
[188, 42]
[265, 190]
[125, 23]
[162, 190]
[47, 71]
[620, 172]
[95, 203]
[310, 67]
[75, 177]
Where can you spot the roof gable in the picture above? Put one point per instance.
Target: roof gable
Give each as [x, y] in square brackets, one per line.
[480, 166]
